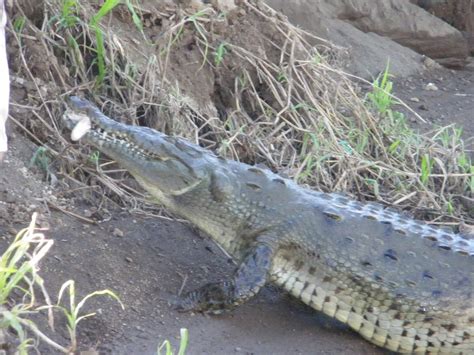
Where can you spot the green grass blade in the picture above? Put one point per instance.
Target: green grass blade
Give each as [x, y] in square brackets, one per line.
[425, 169]
[183, 344]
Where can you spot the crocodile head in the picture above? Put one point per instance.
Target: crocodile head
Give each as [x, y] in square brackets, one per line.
[163, 165]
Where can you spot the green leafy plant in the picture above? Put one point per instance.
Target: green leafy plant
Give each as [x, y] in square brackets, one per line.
[450, 207]
[281, 77]
[18, 266]
[18, 272]
[72, 312]
[19, 24]
[219, 54]
[41, 159]
[94, 157]
[426, 165]
[105, 9]
[381, 96]
[69, 16]
[183, 344]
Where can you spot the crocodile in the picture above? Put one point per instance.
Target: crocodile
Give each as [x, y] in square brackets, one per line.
[400, 283]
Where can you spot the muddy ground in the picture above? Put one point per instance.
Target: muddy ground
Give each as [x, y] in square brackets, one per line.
[451, 103]
[149, 263]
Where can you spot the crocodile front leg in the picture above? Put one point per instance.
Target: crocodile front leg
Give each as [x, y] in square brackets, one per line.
[247, 280]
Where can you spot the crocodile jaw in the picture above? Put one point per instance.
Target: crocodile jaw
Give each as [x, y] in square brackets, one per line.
[153, 158]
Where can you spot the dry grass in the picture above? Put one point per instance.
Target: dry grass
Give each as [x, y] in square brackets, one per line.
[286, 105]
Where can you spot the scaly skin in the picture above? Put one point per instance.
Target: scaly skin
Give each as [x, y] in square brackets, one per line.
[401, 284]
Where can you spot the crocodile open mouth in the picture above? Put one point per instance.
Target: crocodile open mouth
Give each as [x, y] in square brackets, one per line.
[82, 126]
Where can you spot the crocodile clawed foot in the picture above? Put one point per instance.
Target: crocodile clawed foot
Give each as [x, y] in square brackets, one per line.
[177, 303]
[186, 303]
[213, 298]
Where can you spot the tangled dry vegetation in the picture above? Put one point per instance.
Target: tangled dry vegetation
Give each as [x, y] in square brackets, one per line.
[245, 83]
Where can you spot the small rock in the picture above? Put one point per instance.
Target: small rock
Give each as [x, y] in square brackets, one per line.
[414, 99]
[423, 107]
[431, 87]
[117, 233]
[430, 63]
[128, 259]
